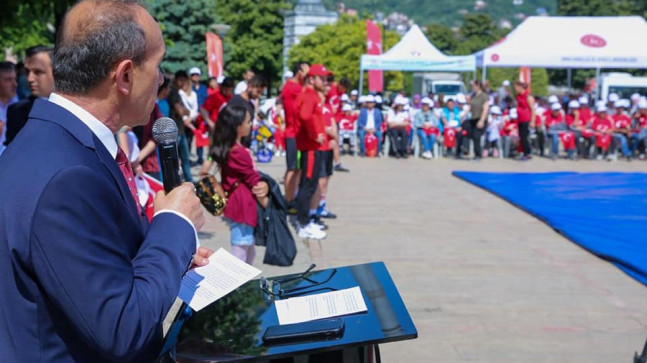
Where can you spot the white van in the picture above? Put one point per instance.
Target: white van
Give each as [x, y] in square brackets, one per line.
[449, 84]
[624, 84]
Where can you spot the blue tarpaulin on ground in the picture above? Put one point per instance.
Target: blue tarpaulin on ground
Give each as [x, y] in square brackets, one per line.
[605, 213]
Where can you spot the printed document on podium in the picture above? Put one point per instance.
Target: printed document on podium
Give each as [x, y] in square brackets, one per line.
[320, 306]
[224, 273]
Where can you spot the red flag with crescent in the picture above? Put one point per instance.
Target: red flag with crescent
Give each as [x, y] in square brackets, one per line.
[215, 59]
[374, 47]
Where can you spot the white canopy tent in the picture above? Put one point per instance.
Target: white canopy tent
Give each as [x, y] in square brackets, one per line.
[414, 52]
[570, 42]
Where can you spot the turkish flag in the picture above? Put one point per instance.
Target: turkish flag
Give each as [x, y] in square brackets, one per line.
[524, 76]
[215, 60]
[374, 47]
[568, 139]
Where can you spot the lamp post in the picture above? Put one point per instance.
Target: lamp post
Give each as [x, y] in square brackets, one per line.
[221, 29]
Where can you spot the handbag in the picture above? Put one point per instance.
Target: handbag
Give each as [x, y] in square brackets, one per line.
[211, 194]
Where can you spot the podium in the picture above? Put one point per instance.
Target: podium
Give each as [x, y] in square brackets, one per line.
[230, 329]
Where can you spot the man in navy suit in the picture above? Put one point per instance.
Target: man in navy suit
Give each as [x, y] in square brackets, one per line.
[83, 277]
[369, 121]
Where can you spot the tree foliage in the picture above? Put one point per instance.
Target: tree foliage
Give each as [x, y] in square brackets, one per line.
[256, 36]
[442, 37]
[339, 46]
[184, 25]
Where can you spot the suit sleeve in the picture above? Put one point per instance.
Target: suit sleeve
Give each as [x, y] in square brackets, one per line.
[81, 245]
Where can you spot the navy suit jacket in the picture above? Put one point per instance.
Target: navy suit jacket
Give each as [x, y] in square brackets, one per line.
[363, 118]
[82, 278]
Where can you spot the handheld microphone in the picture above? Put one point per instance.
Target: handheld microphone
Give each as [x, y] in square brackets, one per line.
[165, 135]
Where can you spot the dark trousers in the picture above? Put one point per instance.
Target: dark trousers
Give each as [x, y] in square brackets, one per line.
[310, 172]
[524, 135]
[473, 133]
[399, 141]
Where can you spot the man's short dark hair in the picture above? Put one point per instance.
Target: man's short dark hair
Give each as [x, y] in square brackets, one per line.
[297, 67]
[6, 67]
[181, 74]
[227, 83]
[344, 82]
[32, 51]
[83, 59]
[257, 81]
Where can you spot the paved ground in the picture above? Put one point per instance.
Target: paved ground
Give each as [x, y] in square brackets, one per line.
[483, 281]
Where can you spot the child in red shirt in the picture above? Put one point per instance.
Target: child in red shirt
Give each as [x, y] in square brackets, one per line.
[622, 128]
[240, 179]
[602, 127]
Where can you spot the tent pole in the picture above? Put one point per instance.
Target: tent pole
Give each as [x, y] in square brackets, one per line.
[484, 74]
[569, 76]
[361, 81]
[597, 83]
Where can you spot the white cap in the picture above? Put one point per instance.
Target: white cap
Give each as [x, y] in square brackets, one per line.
[642, 104]
[399, 100]
[354, 92]
[495, 110]
[553, 99]
[540, 110]
[288, 74]
[220, 79]
[613, 97]
[361, 99]
[555, 106]
[427, 101]
[583, 100]
[635, 97]
[407, 107]
[619, 104]
[378, 99]
[460, 98]
[626, 103]
[195, 70]
[344, 98]
[601, 108]
[513, 113]
[573, 104]
[346, 107]
[506, 83]
[369, 98]
[600, 103]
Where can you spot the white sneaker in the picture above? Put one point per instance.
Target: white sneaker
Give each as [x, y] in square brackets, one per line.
[426, 155]
[311, 231]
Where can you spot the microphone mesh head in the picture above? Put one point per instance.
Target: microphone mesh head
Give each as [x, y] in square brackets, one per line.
[165, 131]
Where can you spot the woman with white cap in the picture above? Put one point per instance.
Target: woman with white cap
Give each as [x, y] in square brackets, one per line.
[427, 125]
[398, 120]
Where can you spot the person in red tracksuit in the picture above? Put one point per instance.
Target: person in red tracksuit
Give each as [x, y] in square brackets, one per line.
[289, 95]
[311, 135]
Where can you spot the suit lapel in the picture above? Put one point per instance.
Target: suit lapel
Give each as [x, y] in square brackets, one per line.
[47, 111]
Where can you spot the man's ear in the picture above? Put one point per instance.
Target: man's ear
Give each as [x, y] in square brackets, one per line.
[124, 75]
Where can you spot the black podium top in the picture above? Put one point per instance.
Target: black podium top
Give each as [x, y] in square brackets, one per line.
[232, 327]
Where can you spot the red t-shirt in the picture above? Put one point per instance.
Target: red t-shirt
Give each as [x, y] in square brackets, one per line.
[346, 122]
[602, 124]
[642, 121]
[552, 119]
[214, 103]
[289, 94]
[332, 98]
[510, 127]
[327, 119]
[621, 121]
[523, 108]
[241, 203]
[585, 113]
[310, 119]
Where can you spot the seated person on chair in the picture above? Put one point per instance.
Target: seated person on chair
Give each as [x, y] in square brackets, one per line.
[622, 128]
[398, 121]
[428, 127]
[369, 122]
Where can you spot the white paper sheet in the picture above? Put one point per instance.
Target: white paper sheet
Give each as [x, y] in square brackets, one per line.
[224, 273]
[320, 306]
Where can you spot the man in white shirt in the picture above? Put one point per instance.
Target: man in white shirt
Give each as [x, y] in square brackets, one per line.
[242, 85]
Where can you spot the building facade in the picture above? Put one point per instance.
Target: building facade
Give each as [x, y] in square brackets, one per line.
[303, 20]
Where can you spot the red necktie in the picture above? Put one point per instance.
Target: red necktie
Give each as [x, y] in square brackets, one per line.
[127, 171]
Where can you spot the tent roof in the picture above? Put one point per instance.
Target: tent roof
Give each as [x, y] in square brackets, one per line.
[414, 52]
[571, 42]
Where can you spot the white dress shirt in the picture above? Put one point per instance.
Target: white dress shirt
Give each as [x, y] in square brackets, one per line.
[107, 138]
[370, 119]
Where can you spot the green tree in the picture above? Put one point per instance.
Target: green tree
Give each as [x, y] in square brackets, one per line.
[478, 32]
[441, 37]
[184, 25]
[256, 36]
[339, 46]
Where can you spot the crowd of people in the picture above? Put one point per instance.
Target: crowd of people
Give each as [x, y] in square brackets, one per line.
[508, 123]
